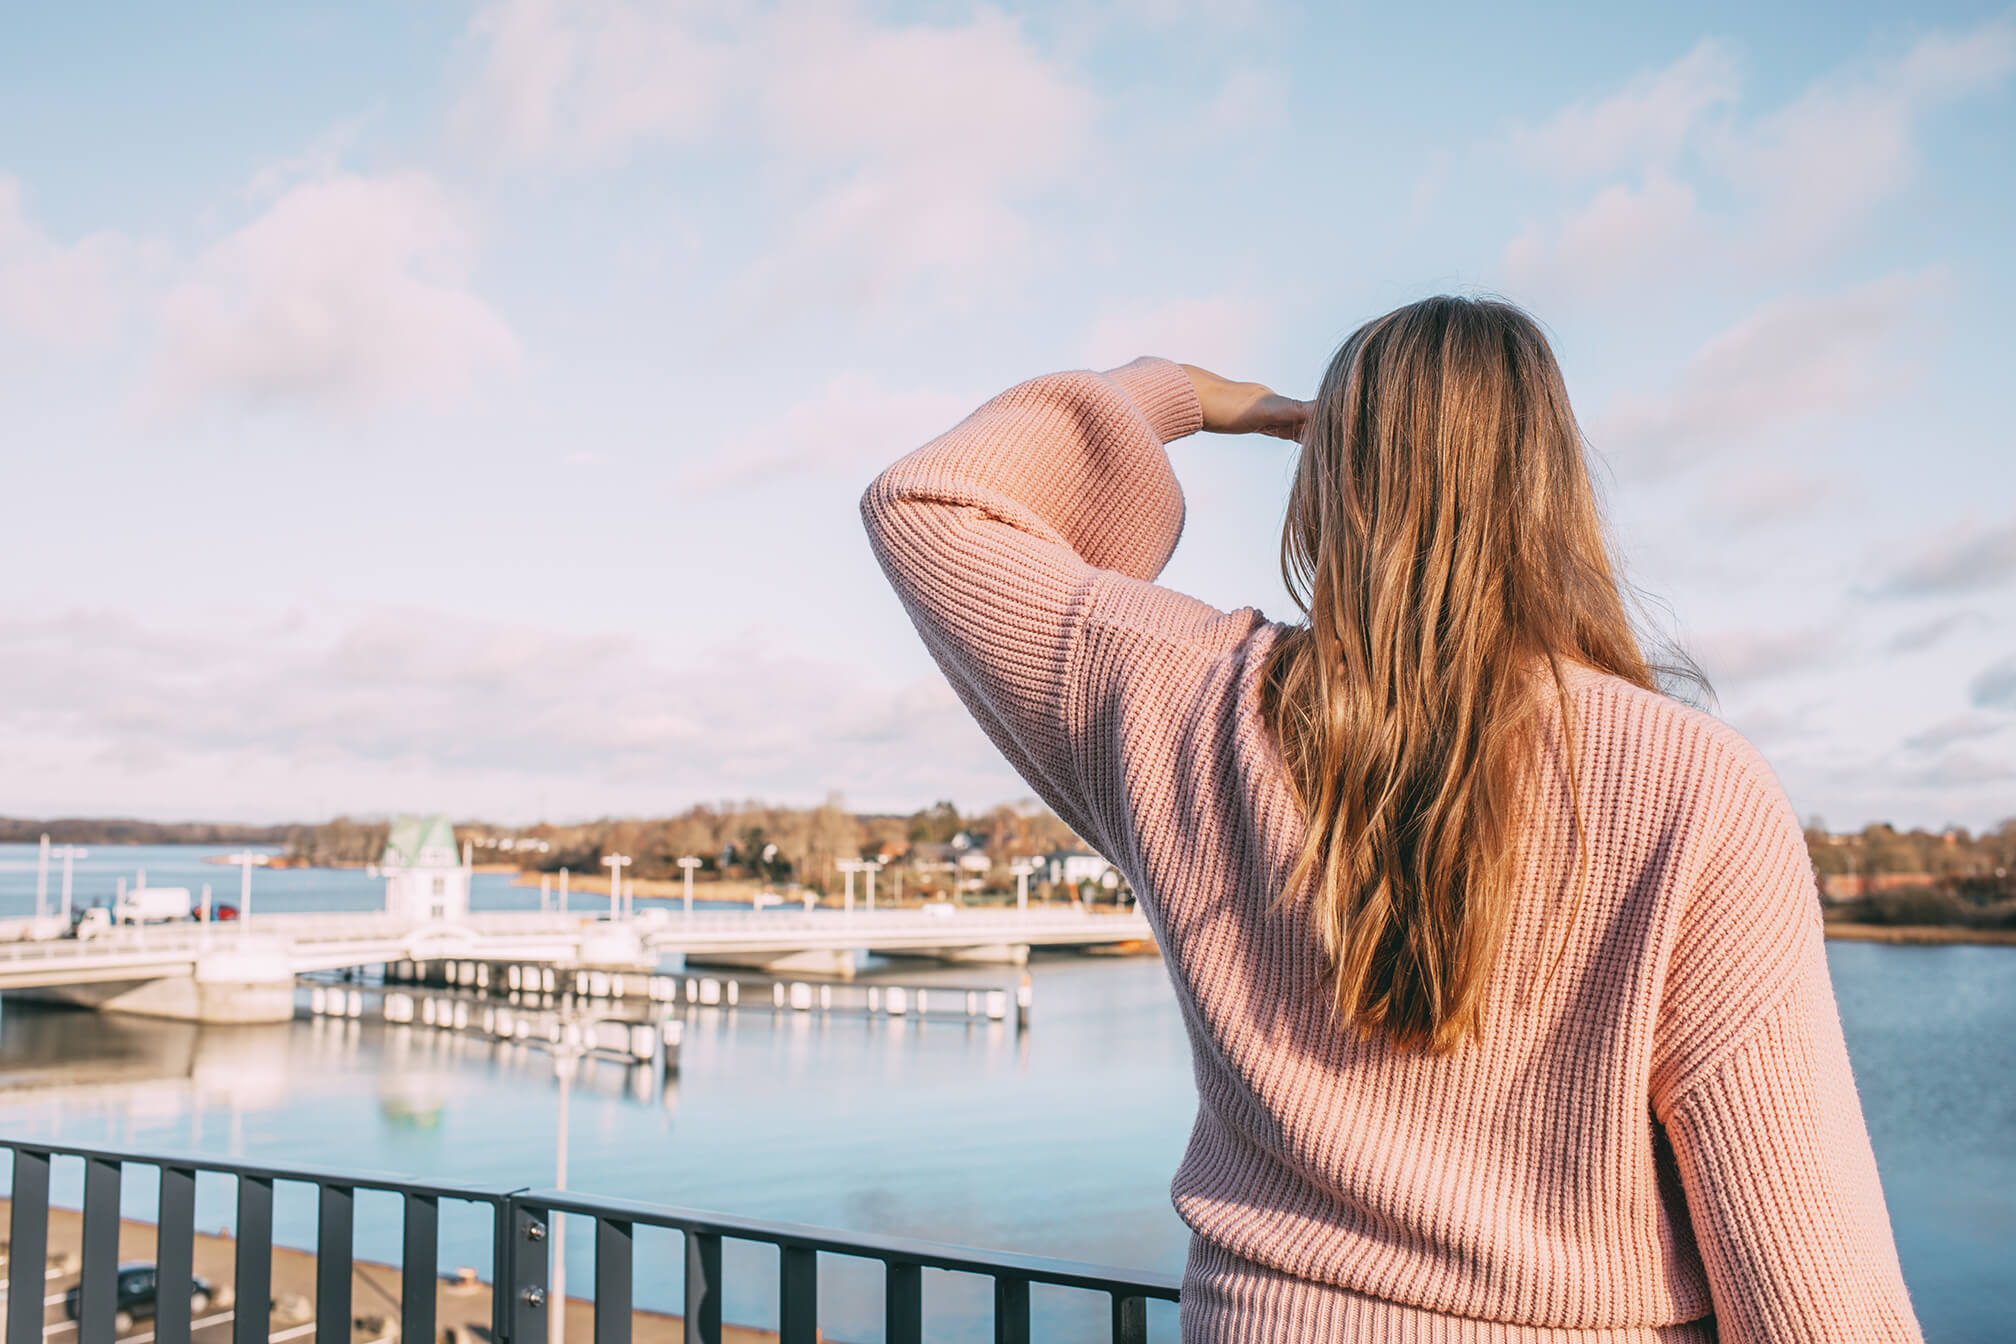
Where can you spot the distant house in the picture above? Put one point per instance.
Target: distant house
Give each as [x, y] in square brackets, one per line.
[1853, 886]
[1072, 866]
[424, 877]
[925, 857]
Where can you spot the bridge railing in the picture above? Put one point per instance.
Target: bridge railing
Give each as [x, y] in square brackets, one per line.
[520, 1242]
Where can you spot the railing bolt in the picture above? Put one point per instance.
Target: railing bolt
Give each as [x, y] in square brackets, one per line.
[535, 1231]
[535, 1297]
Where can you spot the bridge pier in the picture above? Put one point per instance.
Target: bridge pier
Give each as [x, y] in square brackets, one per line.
[839, 962]
[247, 981]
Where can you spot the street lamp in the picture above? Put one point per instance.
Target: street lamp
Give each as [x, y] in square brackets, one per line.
[686, 867]
[567, 1052]
[849, 867]
[67, 853]
[871, 867]
[245, 858]
[1021, 868]
[615, 863]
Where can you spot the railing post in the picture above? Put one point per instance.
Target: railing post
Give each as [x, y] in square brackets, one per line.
[1130, 1319]
[1011, 1310]
[28, 1246]
[174, 1254]
[416, 1267]
[613, 1271]
[903, 1303]
[703, 1288]
[253, 1305]
[797, 1295]
[332, 1264]
[521, 1304]
[98, 1286]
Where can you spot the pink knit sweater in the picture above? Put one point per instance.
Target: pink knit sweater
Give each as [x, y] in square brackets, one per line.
[1663, 1143]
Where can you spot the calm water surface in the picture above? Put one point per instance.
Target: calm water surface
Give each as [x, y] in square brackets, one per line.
[1056, 1142]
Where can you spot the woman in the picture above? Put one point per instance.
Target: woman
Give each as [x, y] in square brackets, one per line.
[1503, 972]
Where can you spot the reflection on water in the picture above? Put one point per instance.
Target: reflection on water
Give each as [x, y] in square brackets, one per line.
[1057, 1142]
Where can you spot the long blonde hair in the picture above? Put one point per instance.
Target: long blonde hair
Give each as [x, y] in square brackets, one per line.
[1444, 543]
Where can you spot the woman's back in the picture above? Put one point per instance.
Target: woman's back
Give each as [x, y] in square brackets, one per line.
[1654, 1121]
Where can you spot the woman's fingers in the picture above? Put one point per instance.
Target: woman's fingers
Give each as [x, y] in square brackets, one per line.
[1245, 408]
[1284, 417]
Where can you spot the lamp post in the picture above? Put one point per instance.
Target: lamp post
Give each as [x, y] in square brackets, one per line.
[567, 1052]
[848, 867]
[245, 858]
[1021, 868]
[614, 863]
[42, 879]
[68, 853]
[686, 867]
[871, 867]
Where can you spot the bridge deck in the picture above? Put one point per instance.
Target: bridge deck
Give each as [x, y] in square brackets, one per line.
[314, 942]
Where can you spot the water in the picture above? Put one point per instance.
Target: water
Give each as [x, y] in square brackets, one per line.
[1058, 1142]
[95, 881]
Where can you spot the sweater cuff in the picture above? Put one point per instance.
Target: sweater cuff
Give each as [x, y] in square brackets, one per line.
[1163, 393]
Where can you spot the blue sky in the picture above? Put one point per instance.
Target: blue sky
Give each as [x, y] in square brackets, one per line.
[464, 407]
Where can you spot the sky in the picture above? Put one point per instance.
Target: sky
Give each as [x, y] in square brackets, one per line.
[465, 407]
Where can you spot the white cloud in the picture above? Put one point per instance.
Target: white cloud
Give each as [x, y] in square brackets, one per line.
[1249, 100]
[1790, 360]
[1740, 657]
[1649, 118]
[591, 78]
[1849, 142]
[1741, 501]
[395, 707]
[1622, 237]
[67, 295]
[856, 423]
[1961, 728]
[1784, 181]
[344, 294]
[1221, 333]
[1961, 769]
[1926, 634]
[895, 158]
[1958, 560]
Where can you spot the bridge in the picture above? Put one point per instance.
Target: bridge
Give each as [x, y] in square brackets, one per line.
[246, 973]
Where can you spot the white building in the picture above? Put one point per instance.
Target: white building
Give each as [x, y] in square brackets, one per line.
[424, 879]
[1073, 866]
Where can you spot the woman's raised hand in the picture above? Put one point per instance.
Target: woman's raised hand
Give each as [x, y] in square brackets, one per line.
[1246, 408]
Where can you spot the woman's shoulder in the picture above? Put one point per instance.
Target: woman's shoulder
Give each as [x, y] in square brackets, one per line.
[1681, 746]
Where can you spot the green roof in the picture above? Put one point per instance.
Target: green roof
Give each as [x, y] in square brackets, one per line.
[411, 837]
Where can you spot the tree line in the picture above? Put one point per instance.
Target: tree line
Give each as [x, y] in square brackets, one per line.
[733, 839]
[1967, 880]
[128, 831]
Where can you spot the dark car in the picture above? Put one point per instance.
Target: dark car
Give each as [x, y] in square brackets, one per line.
[135, 1297]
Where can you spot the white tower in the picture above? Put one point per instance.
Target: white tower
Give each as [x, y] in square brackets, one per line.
[423, 877]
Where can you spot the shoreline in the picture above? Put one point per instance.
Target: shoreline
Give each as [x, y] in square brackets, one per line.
[1918, 934]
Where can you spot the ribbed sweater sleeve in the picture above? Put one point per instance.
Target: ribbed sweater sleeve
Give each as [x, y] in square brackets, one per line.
[1007, 534]
[1754, 1087]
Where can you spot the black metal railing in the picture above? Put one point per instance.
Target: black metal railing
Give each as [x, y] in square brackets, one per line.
[519, 1219]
